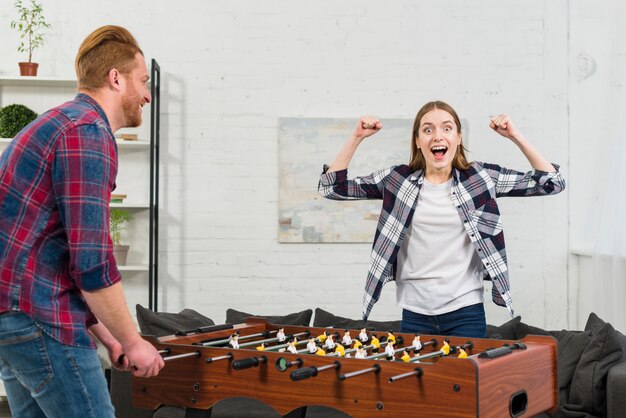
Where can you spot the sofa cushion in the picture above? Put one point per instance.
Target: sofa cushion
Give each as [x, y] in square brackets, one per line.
[522, 330]
[571, 345]
[165, 323]
[506, 331]
[606, 348]
[326, 319]
[302, 318]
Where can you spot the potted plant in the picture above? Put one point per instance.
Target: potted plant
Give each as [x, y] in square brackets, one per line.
[119, 220]
[13, 118]
[30, 25]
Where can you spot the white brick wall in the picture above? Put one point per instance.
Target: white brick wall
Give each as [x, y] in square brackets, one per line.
[231, 69]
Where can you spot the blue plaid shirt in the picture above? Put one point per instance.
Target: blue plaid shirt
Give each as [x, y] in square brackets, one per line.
[474, 193]
[56, 178]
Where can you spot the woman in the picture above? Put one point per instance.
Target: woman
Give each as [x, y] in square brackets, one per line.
[439, 233]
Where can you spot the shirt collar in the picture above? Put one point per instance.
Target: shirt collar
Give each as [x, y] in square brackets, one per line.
[418, 175]
[87, 98]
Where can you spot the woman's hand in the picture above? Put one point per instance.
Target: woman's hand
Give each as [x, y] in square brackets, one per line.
[503, 125]
[367, 126]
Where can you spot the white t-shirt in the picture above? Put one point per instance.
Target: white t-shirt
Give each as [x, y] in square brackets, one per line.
[439, 270]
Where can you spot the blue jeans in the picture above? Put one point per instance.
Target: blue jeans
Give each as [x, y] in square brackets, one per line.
[45, 378]
[465, 322]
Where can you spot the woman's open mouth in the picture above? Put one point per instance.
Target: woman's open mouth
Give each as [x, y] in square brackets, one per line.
[439, 151]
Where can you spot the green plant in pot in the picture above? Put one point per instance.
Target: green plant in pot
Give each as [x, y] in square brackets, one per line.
[119, 220]
[30, 24]
[13, 118]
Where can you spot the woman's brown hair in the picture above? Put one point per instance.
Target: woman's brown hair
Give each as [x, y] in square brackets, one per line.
[104, 49]
[417, 161]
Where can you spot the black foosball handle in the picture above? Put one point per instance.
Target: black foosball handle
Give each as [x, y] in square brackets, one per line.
[495, 352]
[303, 373]
[246, 363]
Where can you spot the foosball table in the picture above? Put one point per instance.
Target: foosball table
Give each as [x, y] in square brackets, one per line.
[391, 375]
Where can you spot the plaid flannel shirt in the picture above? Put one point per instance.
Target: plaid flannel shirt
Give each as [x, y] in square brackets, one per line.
[56, 178]
[474, 193]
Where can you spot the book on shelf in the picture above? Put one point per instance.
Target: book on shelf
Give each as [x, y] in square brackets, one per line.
[128, 137]
[118, 198]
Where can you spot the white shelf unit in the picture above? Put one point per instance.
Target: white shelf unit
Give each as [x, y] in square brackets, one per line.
[133, 179]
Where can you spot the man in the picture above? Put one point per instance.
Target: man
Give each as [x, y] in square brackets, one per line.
[59, 283]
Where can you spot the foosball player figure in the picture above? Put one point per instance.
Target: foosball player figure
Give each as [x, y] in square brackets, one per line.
[375, 343]
[363, 336]
[346, 340]
[320, 352]
[340, 350]
[405, 355]
[360, 352]
[234, 341]
[322, 337]
[391, 337]
[462, 353]
[417, 344]
[261, 347]
[357, 344]
[329, 343]
[446, 347]
[280, 335]
[389, 350]
[291, 347]
[311, 346]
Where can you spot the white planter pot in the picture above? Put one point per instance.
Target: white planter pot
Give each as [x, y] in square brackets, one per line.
[120, 252]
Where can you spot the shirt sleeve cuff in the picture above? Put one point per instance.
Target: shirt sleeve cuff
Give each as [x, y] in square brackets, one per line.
[334, 177]
[98, 277]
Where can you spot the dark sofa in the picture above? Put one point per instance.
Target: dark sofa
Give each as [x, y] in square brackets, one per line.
[591, 364]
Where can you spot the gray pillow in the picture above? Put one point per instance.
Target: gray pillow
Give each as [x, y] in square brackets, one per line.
[302, 318]
[506, 331]
[164, 323]
[326, 319]
[571, 346]
[606, 348]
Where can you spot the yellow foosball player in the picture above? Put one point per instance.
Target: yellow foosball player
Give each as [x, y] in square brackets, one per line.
[375, 343]
[340, 350]
[445, 347]
[462, 353]
[406, 356]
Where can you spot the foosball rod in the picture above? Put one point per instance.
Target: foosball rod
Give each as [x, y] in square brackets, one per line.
[440, 353]
[181, 356]
[366, 347]
[263, 334]
[218, 358]
[271, 340]
[384, 354]
[417, 372]
[374, 369]
[299, 342]
[317, 340]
